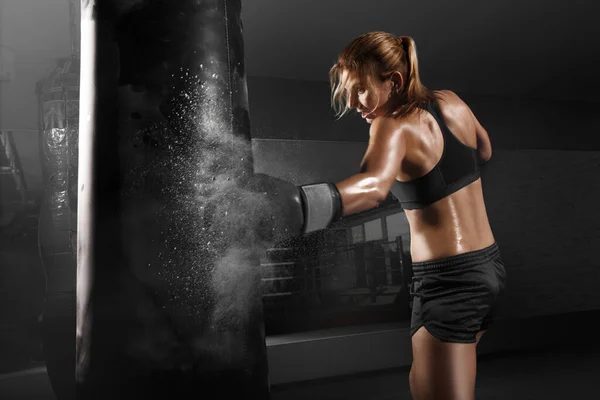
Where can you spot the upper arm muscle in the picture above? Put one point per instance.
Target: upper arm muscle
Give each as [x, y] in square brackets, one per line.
[484, 145]
[385, 152]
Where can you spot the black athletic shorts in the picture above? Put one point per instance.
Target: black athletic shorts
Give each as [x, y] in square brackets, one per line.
[454, 297]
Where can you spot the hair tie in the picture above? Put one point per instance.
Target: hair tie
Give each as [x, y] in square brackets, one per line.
[401, 43]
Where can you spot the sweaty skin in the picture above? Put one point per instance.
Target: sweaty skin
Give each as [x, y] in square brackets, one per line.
[408, 148]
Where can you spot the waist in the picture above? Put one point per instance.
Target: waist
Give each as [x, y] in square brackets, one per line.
[457, 262]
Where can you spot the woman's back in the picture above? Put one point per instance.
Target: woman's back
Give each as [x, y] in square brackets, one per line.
[457, 223]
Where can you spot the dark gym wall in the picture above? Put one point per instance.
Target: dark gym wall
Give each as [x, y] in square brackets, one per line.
[541, 185]
[293, 109]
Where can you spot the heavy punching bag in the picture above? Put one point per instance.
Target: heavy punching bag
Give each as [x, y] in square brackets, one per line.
[168, 294]
[58, 96]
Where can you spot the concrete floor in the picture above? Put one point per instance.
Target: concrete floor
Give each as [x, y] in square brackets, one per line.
[548, 374]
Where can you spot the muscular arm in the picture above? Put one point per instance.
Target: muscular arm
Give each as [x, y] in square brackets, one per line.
[380, 167]
[468, 121]
[484, 145]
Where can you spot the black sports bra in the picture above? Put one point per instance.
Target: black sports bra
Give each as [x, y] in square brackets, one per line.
[457, 168]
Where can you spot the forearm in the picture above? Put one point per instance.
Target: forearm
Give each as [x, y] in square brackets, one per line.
[360, 192]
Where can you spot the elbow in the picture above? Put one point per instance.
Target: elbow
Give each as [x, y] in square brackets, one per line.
[484, 147]
[485, 155]
[373, 200]
[489, 154]
[379, 194]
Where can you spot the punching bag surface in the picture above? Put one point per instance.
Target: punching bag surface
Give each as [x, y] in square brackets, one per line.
[168, 288]
[58, 95]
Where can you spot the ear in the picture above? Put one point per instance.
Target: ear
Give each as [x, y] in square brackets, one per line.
[397, 80]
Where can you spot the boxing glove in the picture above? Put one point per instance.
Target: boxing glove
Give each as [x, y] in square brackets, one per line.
[297, 209]
[321, 204]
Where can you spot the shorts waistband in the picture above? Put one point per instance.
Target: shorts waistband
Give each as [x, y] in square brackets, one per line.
[459, 261]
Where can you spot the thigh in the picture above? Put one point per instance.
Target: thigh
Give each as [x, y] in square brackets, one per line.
[442, 370]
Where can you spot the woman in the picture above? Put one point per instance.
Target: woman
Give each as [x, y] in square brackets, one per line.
[426, 147]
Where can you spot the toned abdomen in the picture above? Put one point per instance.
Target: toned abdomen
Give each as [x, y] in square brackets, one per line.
[453, 225]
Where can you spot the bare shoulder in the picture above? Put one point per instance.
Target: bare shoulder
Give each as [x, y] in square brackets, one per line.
[389, 126]
[446, 94]
[448, 97]
[451, 105]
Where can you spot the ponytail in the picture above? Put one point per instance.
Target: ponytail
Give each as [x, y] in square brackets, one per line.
[414, 88]
[413, 94]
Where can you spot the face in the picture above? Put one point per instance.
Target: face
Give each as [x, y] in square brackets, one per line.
[369, 102]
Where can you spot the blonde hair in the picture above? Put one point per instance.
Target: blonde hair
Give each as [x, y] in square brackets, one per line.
[376, 55]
